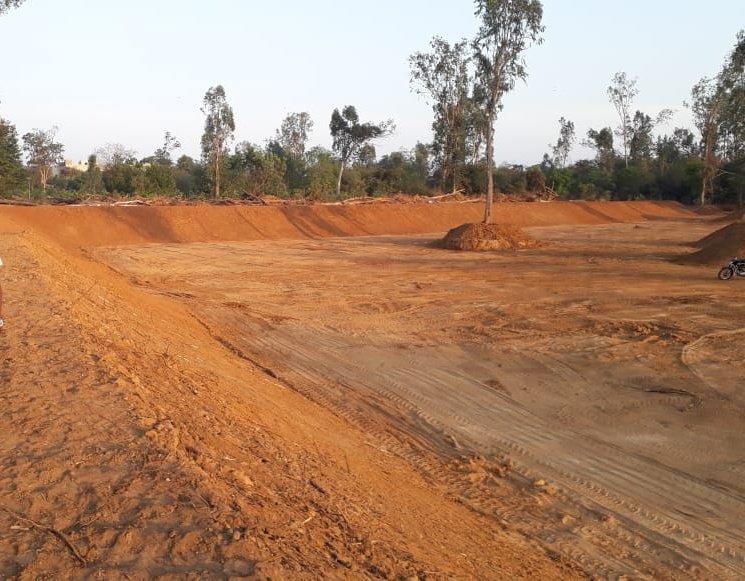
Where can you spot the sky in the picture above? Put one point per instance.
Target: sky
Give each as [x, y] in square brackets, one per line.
[127, 72]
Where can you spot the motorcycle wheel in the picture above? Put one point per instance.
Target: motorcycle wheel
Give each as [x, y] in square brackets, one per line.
[725, 274]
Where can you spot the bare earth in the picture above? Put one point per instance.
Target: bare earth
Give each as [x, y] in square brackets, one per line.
[372, 406]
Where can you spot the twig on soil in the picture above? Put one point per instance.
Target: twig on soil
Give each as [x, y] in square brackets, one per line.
[317, 486]
[52, 531]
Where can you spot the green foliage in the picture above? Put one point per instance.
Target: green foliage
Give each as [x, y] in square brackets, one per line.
[400, 172]
[12, 175]
[602, 142]
[349, 136]
[732, 182]
[43, 153]
[718, 107]
[564, 144]
[93, 183]
[535, 180]
[159, 180]
[633, 183]
[122, 178]
[163, 155]
[561, 181]
[322, 174]
[255, 172]
[510, 179]
[293, 134]
[190, 177]
[295, 167]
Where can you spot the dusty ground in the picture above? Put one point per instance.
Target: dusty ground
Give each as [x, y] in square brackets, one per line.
[373, 407]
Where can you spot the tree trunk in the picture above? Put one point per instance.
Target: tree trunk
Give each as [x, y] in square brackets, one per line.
[456, 163]
[625, 148]
[338, 181]
[217, 174]
[709, 155]
[489, 168]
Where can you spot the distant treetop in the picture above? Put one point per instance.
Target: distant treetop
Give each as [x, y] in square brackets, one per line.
[8, 4]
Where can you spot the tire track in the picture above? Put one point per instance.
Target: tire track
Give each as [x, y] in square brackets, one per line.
[329, 379]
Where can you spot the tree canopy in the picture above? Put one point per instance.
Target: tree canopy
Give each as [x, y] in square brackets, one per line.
[6, 5]
[11, 166]
[43, 152]
[349, 136]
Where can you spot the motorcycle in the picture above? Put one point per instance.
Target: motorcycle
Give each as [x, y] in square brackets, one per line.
[736, 267]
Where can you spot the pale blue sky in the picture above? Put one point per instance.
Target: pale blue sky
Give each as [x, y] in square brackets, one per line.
[126, 72]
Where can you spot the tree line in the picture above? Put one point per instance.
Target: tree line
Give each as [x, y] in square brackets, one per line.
[464, 82]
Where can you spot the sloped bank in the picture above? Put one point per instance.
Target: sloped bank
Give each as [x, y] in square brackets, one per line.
[111, 226]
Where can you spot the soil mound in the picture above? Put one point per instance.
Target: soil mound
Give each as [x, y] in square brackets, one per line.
[488, 237]
[719, 246]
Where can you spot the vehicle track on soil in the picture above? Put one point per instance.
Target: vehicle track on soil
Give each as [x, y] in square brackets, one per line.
[595, 473]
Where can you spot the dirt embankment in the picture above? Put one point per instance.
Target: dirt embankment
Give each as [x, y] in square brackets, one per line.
[111, 226]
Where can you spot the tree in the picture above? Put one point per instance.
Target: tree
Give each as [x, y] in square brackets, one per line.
[11, 166]
[93, 183]
[43, 153]
[718, 107]
[113, 154]
[119, 168]
[162, 155]
[535, 180]
[159, 179]
[602, 142]
[289, 146]
[508, 27]
[219, 127]
[672, 149]
[321, 174]
[564, 144]
[443, 77]
[122, 178]
[732, 120]
[6, 5]
[621, 93]
[293, 133]
[475, 126]
[368, 155]
[641, 143]
[190, 176]
[349, 136]
[257, 172]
